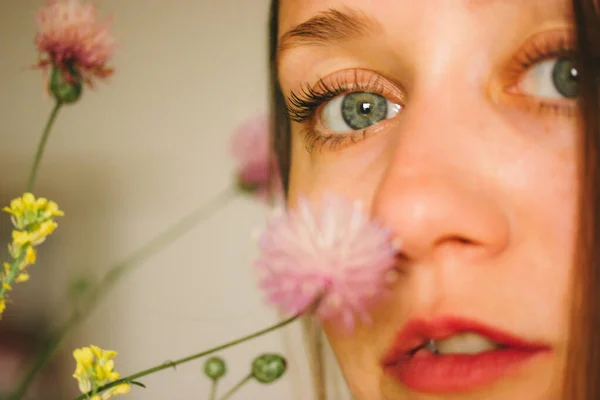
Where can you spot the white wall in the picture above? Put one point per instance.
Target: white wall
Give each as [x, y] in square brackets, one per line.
[132, 157]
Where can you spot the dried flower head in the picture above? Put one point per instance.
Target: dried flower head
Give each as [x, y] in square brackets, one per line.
[255, 163]
[333, 252]
[72, 41]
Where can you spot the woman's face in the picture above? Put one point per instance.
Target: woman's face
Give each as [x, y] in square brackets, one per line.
[455, 121]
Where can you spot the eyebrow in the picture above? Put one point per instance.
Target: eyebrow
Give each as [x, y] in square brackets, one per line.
[331, 26]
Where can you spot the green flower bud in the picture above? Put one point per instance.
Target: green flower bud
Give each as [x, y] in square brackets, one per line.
[215, 368]
[246, 187]
[63, 90]
[267, 368]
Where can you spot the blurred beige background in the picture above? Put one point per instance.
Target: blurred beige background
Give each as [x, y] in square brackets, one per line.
[131, 157]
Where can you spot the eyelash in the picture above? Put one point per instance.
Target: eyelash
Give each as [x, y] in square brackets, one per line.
[558, 44]
[540, 49]
[303, 106]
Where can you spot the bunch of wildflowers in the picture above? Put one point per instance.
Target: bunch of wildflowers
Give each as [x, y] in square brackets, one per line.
[328, 259]
[33, 221]
[94, 369]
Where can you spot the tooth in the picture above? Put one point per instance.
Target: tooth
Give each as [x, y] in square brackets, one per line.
[465, 343]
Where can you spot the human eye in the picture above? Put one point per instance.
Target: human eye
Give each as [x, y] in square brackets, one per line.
[553, 79]
[546, 74]
[344, 108]
[357, 110]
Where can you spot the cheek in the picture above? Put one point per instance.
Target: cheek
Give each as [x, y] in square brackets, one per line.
[354, 171]
[543, 199]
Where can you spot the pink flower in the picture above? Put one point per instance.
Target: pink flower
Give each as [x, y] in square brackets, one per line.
[335, 253]
[256, 169]
[71, 38]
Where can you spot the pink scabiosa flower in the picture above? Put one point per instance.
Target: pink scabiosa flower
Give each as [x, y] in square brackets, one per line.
[256, 170]
[74, 44]
[333, 254]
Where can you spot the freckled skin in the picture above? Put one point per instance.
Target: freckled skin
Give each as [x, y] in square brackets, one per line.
[479, 185]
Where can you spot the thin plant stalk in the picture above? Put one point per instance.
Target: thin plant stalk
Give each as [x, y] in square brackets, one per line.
[14, 272]
[42, 146]
[237, 387]
[173, 364]
[213, 389]
[113, 276]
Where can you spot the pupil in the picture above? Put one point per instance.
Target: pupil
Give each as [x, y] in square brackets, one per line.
[574, 73]
[365, 108]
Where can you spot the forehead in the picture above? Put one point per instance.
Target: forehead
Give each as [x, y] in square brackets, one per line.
[419, 13]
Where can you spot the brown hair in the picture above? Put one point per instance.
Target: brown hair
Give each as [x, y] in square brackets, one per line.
[582, 380]
[582, 377]
[281, 122]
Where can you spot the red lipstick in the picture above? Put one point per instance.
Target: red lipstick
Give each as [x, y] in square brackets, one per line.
[424, 371]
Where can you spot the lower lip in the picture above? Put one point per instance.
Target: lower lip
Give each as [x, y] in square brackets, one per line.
[429, 373]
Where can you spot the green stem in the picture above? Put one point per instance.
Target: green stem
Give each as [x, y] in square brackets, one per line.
[14, 272]
[172, 364]
[236, 387]
[42, 146]
[213, 389]
[112, 277]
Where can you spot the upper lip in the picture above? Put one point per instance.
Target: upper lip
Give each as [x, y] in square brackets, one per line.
[418, 331]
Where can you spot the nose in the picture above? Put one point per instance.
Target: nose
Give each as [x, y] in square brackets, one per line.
[441, 192]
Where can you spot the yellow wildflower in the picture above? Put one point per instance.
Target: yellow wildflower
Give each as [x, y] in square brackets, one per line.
[33, 220]
[119, 389]
[44, 230]
[94, 369]
[2, 306]
[21, 238]
[27, 210]
[51, 209]
[30, 255]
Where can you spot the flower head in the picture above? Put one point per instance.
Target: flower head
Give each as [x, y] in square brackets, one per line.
[33, 220]
[95, 368]
[333, 253]
[72, 41]
[255, 162]
[27, 210]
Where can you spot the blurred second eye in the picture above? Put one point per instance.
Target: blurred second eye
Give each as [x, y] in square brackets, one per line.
[552, 79]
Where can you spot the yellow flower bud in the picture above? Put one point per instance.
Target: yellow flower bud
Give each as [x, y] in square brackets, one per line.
[30, 255]
[28, 199]
[121, 389]
[84, 357]
[6, 286]
[22, 278]
[40, 203]
[21, 238]
[46, 228]
[53, 211]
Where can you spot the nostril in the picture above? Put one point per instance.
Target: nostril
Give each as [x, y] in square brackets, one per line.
[463, 240]
[460, 240]
[402, 258]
